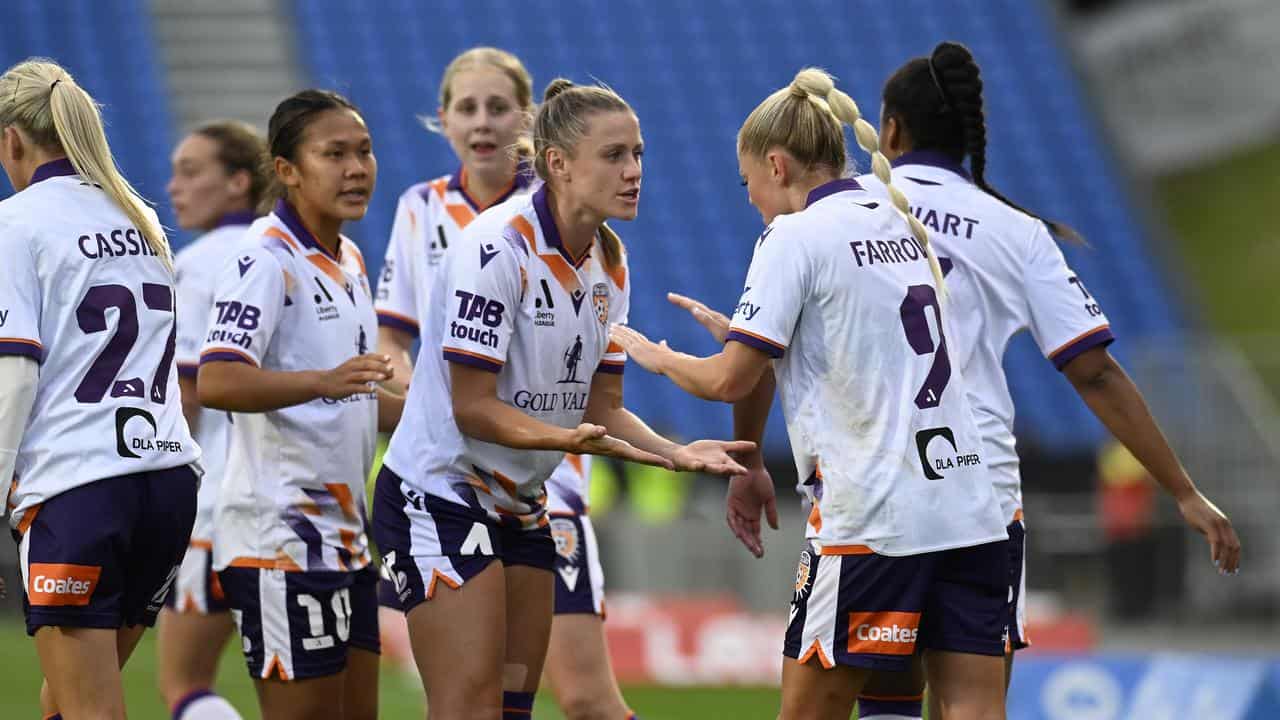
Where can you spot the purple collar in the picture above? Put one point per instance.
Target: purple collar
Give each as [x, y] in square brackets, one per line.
[54, 168]
[524, 176]
[933, 158]
[547, 220]
[293, 221]
[239, 217]
[831, 188]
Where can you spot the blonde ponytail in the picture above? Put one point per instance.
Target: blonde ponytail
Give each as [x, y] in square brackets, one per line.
[805, 118]
[44, 100]
[822, 91]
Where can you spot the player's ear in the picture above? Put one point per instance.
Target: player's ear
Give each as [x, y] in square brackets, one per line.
[440, 117]
[779, 170]
[287, 173]
[557, 163]
[239, 182]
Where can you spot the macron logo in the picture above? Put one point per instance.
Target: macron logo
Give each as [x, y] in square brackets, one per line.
[487, 253]
[246, 262]
[54, 584]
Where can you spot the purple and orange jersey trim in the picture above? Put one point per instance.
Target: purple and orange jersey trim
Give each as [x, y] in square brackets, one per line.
[396, 321]
[475, 360]
[759, 342]
[1098, 337]
[226, 355]
[22, 346]
[188, 370]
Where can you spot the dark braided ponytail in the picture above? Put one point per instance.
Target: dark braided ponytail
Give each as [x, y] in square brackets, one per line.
[938, 100]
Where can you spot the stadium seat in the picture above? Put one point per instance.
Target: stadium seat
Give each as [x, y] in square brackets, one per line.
[120, 68]
[693, 72]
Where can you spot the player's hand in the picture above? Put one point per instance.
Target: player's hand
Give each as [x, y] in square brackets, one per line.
[1208, 520]
[716, 323]
[589, 439]
[640, 349]
[358, 375]
[712, 456]
[748, 495]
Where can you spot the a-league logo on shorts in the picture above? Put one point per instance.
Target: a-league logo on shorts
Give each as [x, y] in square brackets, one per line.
[803, 574]
[565, 534]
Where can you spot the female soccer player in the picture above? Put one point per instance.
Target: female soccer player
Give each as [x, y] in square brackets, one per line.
[288, 352]
[906, 545]
[486, 96]
[1008, 276]
[218, 182]
[516, 371]
[91, 428]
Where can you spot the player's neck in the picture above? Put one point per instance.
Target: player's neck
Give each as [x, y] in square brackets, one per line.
[484, 189]
[577, 225]
[798, 192]
[326, 229]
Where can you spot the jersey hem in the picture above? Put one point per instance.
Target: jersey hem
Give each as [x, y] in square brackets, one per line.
[474, 360]
[396, 321]
[1099, 336]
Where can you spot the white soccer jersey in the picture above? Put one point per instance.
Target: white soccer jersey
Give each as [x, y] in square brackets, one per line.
[84, 295]
[293, 494]
[569, 487]
[198, 266]
[1005, 275]
[877, 414]
[429, 218]
[511, 300]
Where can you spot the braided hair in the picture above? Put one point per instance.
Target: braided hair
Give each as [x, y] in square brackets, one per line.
[938, 99]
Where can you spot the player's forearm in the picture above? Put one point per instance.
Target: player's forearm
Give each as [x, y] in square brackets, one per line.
[18, 378]
[626, 426]
[241, 387]
[390, 408]
[1112, 396]
[709, 378]
[190, 402]
[751, 414]
[490, 420]
[397, 344]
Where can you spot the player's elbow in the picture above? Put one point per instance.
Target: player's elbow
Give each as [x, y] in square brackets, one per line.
[730, 388]
[469, 416]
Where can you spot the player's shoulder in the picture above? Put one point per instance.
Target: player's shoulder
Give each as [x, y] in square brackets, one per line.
[427, 192]
[207, 252]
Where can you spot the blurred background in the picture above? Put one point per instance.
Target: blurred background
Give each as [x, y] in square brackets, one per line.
[1152, 126]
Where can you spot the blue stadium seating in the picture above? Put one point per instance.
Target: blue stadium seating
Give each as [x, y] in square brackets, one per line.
[693, 71]
[109, 47]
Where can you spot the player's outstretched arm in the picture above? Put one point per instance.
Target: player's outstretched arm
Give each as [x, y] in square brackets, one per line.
[715, 457]
[728, 376]
[243, 387]
[1109, 392]
[481, 415]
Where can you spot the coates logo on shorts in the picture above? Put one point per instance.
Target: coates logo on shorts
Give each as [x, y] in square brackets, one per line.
[883, 633]
[55, 584]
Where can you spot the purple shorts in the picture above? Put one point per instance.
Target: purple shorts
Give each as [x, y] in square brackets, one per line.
[872, 611]
[299, 625]
[104, 555]
[425, 540]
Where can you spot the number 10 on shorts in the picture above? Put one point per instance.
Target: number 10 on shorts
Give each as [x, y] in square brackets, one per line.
[320, 640]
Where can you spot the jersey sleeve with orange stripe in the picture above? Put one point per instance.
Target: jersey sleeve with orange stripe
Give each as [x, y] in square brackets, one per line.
[778, 283]
[396, 301]
[485, 286]
[249, 294]
[19, 296]
[1064, 317]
